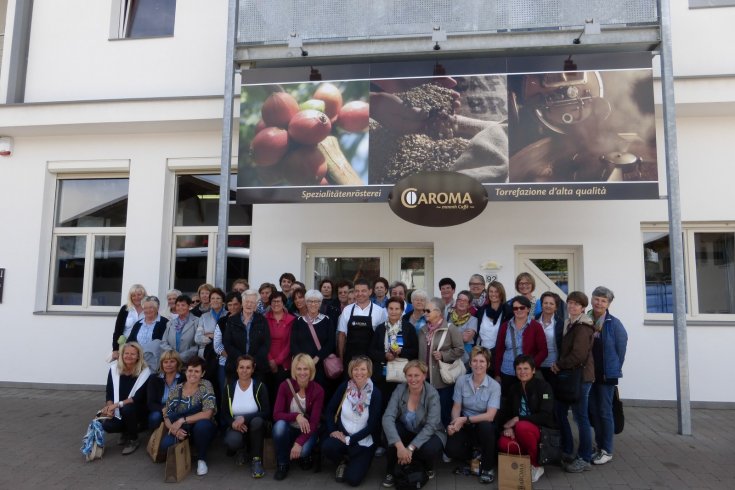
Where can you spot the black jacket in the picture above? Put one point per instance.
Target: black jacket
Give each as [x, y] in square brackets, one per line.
[156, 387]
[260, 393]
[233, 338]
[158, 330]
[540, 403]
[376, 351]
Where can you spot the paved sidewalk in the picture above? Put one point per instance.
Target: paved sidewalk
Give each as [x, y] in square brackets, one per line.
[42, 430]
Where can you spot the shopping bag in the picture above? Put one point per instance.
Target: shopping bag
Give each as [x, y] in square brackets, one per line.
[514, 472]
[154, 445]
[618, 414]
[178, 462]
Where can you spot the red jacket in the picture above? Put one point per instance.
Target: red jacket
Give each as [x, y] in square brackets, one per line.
[534, 344]
[314, 404]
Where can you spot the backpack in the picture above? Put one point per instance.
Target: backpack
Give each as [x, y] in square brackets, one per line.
[410, 477]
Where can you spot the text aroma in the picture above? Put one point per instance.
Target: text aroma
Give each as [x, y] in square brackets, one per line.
[411, 198]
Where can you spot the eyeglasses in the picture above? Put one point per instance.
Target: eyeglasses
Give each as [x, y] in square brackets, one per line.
[524, 283]
[427, 311]
[520, 308]
[476, 284]
[312, 301]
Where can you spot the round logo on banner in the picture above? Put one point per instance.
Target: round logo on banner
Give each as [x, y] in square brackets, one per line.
[438, 198]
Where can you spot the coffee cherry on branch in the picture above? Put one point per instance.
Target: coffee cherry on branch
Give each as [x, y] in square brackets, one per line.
[269, 146]
[309, 127]
[332, 98]
[354, 116]
[278, 109]
[305, 165]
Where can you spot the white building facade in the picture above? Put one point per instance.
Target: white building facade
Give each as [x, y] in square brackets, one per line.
[112, 134]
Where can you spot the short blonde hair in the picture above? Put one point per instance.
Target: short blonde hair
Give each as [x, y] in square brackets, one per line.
[306, 360]
[170, 354]
[140, 365]
[415, 363]
[356, 361]
[478, 350]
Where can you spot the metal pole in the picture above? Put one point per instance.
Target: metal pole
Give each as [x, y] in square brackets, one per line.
[675, 234]
[223, 217]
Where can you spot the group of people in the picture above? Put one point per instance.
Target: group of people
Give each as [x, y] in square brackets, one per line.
[354, 370]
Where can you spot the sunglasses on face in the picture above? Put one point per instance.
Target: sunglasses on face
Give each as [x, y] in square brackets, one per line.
[520, 308]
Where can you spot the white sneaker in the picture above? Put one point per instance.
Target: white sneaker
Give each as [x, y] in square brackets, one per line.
[603, 457]
[202, 468]
[536, 473]
[446, 458]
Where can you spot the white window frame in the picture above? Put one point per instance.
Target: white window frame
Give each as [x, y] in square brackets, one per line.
[198, 167]
[120, 21]
[689, 230]
[89, 232]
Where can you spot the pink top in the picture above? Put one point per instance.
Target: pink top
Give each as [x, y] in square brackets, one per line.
[280, 338]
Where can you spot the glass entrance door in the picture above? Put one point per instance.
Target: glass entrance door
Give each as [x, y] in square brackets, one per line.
[414, 266]
[555, 269]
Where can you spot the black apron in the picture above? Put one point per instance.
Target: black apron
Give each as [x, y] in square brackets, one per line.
[359, 335]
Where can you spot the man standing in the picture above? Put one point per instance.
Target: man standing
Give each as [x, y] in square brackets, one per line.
[446, 289]
[357, 324]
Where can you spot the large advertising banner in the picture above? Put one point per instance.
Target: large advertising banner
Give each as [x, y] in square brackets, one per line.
[568, 135]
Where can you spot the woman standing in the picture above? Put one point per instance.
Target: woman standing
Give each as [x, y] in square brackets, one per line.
[126, 396]
[149, 330]
[528, 406]
[309, 329]
[394, 339]
[525, 285]
[519, 335]
[412, 424]
[380, 292]
[476, 403]
[280, 323]
[296, 415]
[245, 410]
[180, 332]
[203, 293]
[491, 317]
[208, 321]
[477, 290]
[440, 342]
[169, 310]
[129, 313]
[551, 319]
[353, 423]
[190, 413]
[298, 305]
[416, 316]
[608, 351]
[575, 352]
[247, 333]
[460, 317]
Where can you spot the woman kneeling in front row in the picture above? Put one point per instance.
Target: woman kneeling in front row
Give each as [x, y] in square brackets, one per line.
[528, 407]
[353, 423]
[245, 409]
[412, 423]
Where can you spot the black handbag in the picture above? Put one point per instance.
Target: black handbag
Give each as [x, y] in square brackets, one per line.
[568, 385]
[618, 415]
[410, 476]
[549, 446]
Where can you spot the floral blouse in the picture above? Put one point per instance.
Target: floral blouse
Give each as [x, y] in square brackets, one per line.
[202, 399]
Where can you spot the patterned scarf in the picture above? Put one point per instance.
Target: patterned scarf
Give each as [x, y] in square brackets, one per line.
[359, 399]
[179, 323]
[459, 320]
[480, 301]
[430, 332]
[391, 333]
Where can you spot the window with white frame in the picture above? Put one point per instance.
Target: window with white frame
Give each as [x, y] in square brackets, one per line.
[142, 18]
[709, 265]
[88, 247]
[195, 232]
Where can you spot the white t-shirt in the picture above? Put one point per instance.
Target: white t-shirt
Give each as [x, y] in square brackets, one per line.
[353, 422]
[243, 401]
[379, 315]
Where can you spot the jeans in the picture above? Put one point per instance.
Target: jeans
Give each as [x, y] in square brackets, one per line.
[580, 410]
[201, 435]
[601, 397]
[253, 437]
[284, 437]
[482, 435]
[358, 464]
[446, 402]
[154, 419]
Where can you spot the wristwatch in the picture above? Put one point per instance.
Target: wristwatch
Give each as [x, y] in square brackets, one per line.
[120, 404]
[411, 448]
[347, 440]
